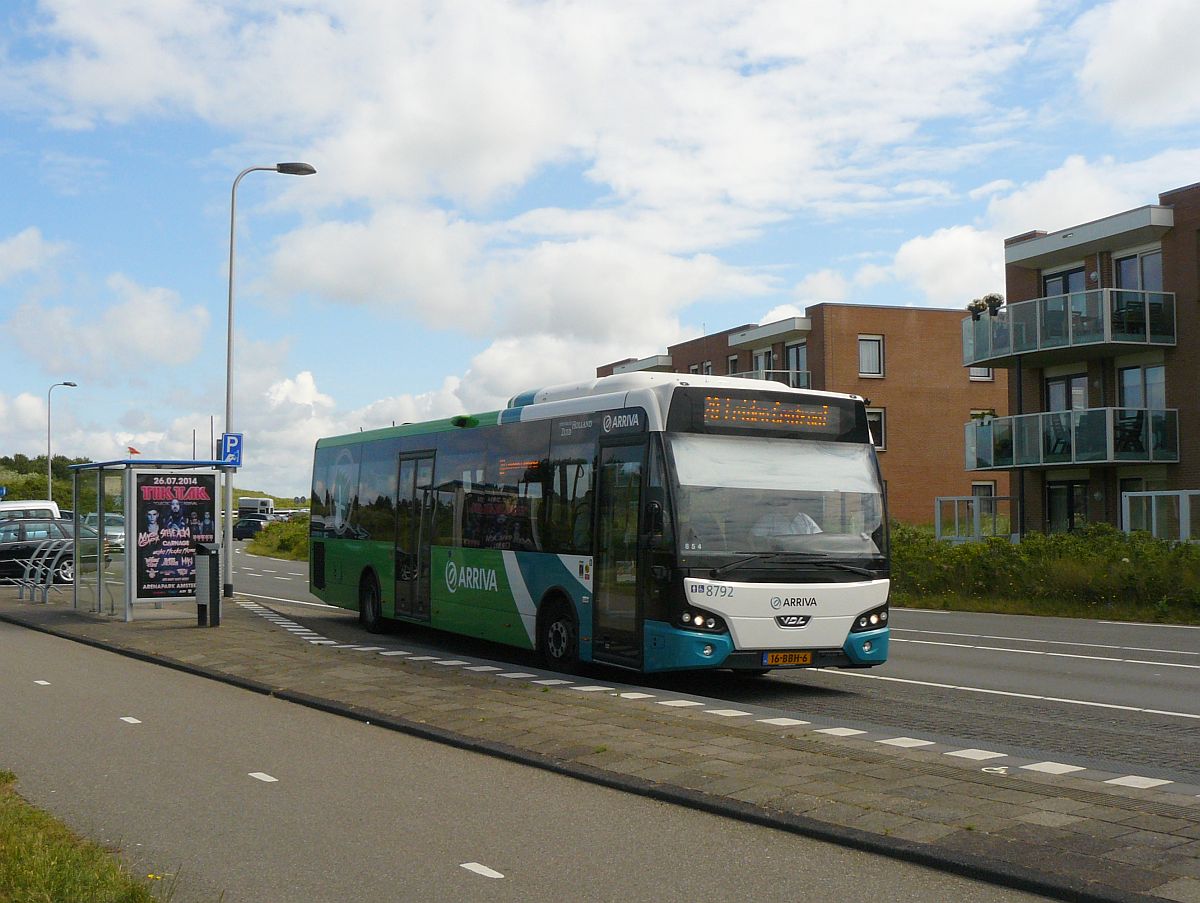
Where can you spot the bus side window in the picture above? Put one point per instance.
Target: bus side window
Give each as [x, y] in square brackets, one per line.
[659, 522]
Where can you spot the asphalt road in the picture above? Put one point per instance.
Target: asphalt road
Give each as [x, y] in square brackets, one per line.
[247, 797]
[1099, 694]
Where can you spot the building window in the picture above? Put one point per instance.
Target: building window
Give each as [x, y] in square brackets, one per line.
[1064, 283]
[870, 355]
[1142, 387]
[694, 369]
[982, 374]
[1140, 271]
[732, 364]
[1066, 393]
[706, 368]
[877, 421]
[764, 360]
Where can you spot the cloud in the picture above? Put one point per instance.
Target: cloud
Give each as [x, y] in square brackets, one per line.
[1139, 70]
[824, 285]
[26, 252]
[144, 327]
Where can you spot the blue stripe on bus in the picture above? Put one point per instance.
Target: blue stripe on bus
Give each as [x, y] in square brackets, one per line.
[853, 647]
[510, 415]
[524, 398]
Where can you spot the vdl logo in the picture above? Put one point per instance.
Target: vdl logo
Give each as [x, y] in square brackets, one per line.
[470, 578]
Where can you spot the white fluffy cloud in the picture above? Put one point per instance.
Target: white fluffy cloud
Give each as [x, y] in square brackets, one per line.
[1140, 69]
[26, 252]
[143, 328]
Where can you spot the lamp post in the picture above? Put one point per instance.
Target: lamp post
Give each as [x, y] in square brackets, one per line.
[49, 471]
[289, 169]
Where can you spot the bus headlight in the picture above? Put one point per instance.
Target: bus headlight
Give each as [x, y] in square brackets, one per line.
[697, 619]
[874, 619]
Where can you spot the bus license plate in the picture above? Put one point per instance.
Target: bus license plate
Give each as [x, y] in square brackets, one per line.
[787, 658]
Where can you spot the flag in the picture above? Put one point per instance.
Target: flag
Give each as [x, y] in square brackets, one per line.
[132, 450]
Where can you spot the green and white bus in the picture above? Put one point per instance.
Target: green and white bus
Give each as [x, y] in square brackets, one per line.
[653, 521]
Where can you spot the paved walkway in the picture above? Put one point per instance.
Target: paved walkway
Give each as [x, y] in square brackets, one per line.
[1056, 834]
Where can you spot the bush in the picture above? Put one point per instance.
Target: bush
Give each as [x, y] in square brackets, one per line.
[283, 539]
[1096, 566]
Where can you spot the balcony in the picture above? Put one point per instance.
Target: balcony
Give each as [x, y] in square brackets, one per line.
[1091, 436]
[797, 379]
[1063, 326]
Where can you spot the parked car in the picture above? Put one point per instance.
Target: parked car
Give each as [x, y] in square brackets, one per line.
[114, 527]
[29, 508]
[20, 538]
[249, 525]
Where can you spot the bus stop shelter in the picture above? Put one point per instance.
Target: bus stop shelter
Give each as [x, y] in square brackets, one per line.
[150, 517]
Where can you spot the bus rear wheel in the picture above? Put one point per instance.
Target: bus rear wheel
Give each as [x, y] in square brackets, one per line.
[369, 610]
[559, 638]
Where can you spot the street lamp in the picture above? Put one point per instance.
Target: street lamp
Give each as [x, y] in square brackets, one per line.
[49, 472]
[289, 169]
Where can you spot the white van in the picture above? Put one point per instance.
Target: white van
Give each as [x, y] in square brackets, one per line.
[29, 508]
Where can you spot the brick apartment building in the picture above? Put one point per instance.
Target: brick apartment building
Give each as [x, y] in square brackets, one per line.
[903, 360]
[1098, 332]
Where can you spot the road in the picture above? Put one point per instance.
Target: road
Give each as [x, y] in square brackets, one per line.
[249, 798]
[1103, 695]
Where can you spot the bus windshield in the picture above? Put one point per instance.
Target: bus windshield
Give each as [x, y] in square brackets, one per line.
[747, 494]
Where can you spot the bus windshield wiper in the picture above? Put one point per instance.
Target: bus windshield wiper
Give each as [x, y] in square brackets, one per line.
[839, 565]
[786, 560]
[741, 562]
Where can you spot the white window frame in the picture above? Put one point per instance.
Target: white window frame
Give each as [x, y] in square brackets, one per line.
[731, 363]
[982, 374]
[706, 368]
[881, 443]
[882, 364]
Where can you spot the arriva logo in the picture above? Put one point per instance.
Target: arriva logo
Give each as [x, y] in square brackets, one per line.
[620, 421]
[470, 578]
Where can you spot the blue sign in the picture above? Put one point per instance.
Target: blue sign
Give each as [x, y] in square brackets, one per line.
[3, 491]
[231, 448]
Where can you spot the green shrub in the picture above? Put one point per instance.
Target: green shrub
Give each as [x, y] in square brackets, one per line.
[283, 539]
[1097, 566]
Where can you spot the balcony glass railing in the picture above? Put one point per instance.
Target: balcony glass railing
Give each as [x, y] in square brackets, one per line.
[1091, 436]
[797, 379]
[1065, 321]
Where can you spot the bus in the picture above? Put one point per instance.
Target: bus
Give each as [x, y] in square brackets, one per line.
[254, 505]
[652, 521]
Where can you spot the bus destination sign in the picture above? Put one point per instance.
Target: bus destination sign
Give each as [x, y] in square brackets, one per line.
[766, 413]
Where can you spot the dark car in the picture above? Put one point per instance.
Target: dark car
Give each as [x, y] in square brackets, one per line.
[21, 537]
[248, 526]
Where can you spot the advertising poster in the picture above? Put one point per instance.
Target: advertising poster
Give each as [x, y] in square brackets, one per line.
[173, 512]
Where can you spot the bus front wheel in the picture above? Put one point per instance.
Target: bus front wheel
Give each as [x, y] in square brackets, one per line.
[559, 639]
[369, 610]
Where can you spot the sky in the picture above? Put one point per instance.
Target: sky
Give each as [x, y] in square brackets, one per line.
[510, 193]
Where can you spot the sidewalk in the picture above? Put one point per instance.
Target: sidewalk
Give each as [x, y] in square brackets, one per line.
[1059, 835]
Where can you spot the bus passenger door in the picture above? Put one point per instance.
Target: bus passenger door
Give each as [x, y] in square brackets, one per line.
[414, 507]
[616, 626]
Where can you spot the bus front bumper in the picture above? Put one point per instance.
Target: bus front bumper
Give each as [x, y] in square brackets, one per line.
[670, 649]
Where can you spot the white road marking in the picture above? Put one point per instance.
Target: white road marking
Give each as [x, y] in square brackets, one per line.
[926, 683]
[1052, 768]
[291, 601]
[371, 648]
[977, 755]
[1044, 642]
[625, 695]
[514, 674]
[423, 658]
[1133, 780]
[483, 668]
[480, 870]
[680, 703]
[42, 683]
[727, 713]
[783, 722]
[395, 652]
[592, 689]
[129, 719]
[551, 683]
[264, 777]
[281, 578]
[451, 661]
[840, 731]
[906, 742]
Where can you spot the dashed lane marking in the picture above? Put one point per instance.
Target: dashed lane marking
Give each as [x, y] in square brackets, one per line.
[129, 719]
[42, 683]
[264, 777]
[480, 870]
[978, 755]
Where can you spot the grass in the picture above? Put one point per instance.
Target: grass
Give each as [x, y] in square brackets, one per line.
[42, 861]
[1156, 613]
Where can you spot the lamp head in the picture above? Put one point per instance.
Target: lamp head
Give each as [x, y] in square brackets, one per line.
[295, 169]
[71, 384]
